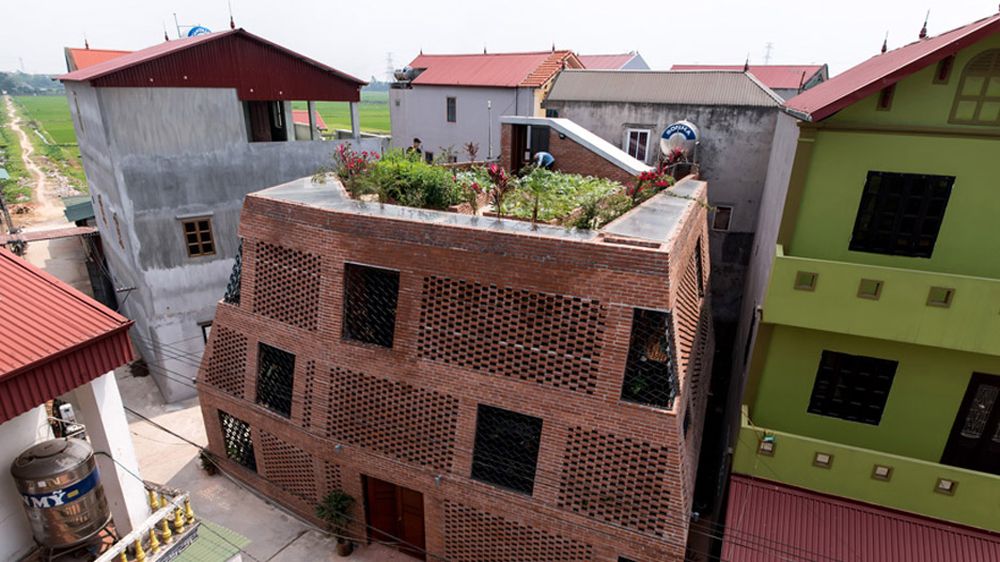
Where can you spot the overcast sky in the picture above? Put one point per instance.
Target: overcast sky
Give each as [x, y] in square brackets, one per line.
[357, 36]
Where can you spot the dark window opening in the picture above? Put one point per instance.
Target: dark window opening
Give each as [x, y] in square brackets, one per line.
[552, 113]
[852, 387]
[723, 217]
[428, 157]
[650, 373]
[943, 71]
[636, 143]
[885, 96]
[370, 295]
[699, 268]
[506, 448]
[237, 440]
[275, 375]
[451, 110]
[901, 214]
[198, 237]
[267, 121]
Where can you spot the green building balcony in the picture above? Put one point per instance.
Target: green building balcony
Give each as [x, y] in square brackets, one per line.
[925, 488]
[923, 308]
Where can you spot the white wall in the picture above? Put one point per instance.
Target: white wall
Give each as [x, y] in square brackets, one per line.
[16, 435]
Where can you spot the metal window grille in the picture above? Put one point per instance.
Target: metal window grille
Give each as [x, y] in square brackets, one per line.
[901, 214]
[275, 375]
[370, 296]
[506, 448]
[852, 387]
[198, 237]
[650, 370]
[232, 295]
[237, 439]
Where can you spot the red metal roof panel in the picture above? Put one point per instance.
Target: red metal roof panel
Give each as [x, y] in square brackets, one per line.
[52, 338]
[774, 76]
[500, 70]
[84, 58]
[886, 69]
[766, 521]
[301, 117]
[605, 62]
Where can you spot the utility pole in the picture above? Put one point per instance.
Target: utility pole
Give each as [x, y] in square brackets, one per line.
[21, 61]
[389, 68]
[767, 52]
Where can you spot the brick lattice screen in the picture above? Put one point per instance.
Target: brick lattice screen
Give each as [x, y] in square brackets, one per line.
[550, 339]
[287, 286]
[471, 535]
[288, 467]
[410, 423]
[227, 365]
[616, 479]
[308, 393]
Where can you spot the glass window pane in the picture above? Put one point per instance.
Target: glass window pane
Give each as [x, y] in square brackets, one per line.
[972, 85]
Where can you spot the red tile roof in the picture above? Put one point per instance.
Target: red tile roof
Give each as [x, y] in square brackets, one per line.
[83, 58]
[301, 116]
[52, 338]
[774, 76]
[766, 521]
[499, 70]
[886, 69]
[605, 62]
[256, 67]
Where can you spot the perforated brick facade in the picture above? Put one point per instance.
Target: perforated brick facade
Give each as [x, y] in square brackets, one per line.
[535, 325]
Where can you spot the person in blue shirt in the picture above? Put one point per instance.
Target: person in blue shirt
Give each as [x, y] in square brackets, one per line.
[544, 160]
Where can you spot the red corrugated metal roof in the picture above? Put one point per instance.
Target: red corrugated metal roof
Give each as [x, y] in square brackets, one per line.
[886, 69]
[774, 76]
[301, 116]
[499, 70]
[766, 521]
[257, 68]
[84, 58]
[52, 337]
[605, 62]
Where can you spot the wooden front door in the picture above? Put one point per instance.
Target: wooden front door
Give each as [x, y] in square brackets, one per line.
[975, 438]
[395, 516]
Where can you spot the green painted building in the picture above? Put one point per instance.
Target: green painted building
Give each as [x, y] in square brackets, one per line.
[872, 333]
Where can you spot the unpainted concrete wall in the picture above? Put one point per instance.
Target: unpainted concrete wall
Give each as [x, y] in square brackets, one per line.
[16, 435]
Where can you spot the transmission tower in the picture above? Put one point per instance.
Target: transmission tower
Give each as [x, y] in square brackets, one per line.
[767, 52]
[389, 67]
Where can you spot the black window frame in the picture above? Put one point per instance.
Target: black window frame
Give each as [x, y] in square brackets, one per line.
[647, 380]
[900, 214]
[506, 448]
[199, 238]
[241, 450]
[275, 379]
[852, 387]
[451, 109]
[358, 305]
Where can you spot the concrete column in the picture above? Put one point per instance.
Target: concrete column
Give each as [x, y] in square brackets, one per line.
[100, 406]
[355, 121]
[312, 120]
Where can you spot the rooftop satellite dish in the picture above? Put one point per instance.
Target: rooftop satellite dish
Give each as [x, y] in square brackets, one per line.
[682, 134]
[198, 30]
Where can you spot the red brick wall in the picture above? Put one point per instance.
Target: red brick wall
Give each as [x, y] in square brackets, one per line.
[570, 156]
[407, 415]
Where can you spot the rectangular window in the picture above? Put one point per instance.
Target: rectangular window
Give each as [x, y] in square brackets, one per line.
[885, 98]
[552, 113]
[237, 440]
[370, 295]
[852, 387]
[943, 71]
[266, 121]
[506, 448]
[275, 376]
[900, 214]
[699, 268]
[650, 372]
[723, 217]
[451, 109]
[206, 330]
[198, 237]
[637, 143]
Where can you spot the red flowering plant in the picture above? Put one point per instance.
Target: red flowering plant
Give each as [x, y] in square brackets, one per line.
[500, 185]
[649, 183]
[469, 184]
[350, 164]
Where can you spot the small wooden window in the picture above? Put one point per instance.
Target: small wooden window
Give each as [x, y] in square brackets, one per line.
[885, 98]
[451, 110]
[198, 237]
[723, 218]
[943, 71]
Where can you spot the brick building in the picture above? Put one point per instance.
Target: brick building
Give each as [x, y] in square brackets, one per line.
[485, 389]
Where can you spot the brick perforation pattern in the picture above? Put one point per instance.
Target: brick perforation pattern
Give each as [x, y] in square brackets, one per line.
[286, 286]
[616, 479]
[331, 478]
[550, 339]
[288, 467]
[471, 535]
[398, 419]
[687, 316]
[226, 369]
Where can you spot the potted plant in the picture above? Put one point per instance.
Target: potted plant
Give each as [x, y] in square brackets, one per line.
[334, 509]
[207, 463]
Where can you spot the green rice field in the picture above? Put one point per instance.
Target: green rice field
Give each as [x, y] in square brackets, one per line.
[52, 115]
[374, 112]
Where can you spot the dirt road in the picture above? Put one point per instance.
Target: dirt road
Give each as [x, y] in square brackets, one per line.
[47, 209]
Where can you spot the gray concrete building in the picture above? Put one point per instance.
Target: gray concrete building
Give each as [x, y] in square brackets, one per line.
[172, 138]
[448, 101]
[736, 116]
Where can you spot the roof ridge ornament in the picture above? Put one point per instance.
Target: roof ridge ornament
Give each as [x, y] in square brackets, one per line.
[885, 42]
[923, 30]
[746, 65]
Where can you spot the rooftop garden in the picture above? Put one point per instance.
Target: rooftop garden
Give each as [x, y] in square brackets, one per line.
[536, 194]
